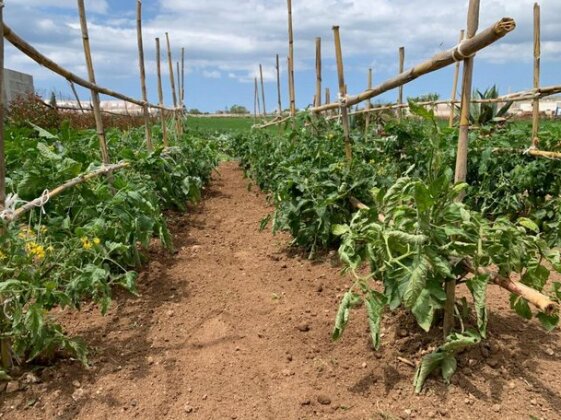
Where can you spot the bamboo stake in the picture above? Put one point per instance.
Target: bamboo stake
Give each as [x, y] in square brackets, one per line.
[5, 344]
[95, 95]
[161, 93]
[38, 202]
[262, 90]
[342, 93]
[172, 83]
[439, 61]
[462, 153]
[41, 59]
[401, 67]
[537, 58]
[73, 88]
[368, 103]
[291, 61]
[147, 128]
[278, 86]
[318, 72]
[183, 76]
[455, 86]
[257, 97]
[254, 104]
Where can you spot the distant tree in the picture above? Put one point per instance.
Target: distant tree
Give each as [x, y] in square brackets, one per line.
[52, 101]
[238, 109]
[194, 111]
[429, 97]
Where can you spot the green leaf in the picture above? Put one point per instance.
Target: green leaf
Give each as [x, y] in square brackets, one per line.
[528, 224]
[478, 288]
[42, 132]
[424, 310]
[339, 230]
[342, 318]
[375, 303]
[549, 322]
[423, 197]
[417, 281]
[449, 366]
[520, 306]
[429, 363]
[421, 111]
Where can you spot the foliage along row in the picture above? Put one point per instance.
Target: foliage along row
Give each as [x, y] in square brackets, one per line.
[416, 236]
[90, 238]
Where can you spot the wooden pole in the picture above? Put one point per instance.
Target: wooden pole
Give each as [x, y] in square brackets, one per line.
[291, 58]
[103, 170]
[262, 90]
[73, 88]
[183, 76]
[257, 97]
[178, 75]
[91, 74]
[2, 105]
[5, 343]
[278, 86]
[146, 111]
[318, 72]
[161, 93]
[455, 86]
[537, 58]
[368, 103]
[462, 153]
[470, 46]
[172, 83]
[342, 94]
[401, 68]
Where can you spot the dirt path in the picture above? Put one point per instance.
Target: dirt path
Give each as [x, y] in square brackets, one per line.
[234, 326]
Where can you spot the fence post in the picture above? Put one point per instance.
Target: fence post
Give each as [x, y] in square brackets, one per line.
[461, 156]
[2, 105]
[161, 93]
[537, 58]
[342, 94]
[257, 97]
[147, 128]
[455, 87]
[318, 72]
[91, 74]
[401, 68]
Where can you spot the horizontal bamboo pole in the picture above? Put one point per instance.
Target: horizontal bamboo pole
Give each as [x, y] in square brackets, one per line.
[38, 202]
[460, 52]
[39, 58]
[276, 121]
[522, 96]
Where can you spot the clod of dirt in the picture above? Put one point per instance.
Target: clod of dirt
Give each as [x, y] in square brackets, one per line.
[78, 394]
[304, 327]
[76, 384]
[324, 399]
[13, 386]
[496, 408]
[305, 402]
[31, 378]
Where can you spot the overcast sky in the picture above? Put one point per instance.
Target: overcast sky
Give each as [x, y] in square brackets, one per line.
[226, 40]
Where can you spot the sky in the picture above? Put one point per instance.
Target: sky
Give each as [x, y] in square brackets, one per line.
[225, 41]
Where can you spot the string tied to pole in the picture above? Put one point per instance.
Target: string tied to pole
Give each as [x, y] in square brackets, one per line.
[458, 54]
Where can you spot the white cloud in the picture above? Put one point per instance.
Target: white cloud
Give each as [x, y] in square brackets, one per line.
[231, 38]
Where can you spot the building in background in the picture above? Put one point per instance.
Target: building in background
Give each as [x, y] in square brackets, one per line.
[16, 84]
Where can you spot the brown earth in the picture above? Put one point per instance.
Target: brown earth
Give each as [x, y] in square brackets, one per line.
[236, 326]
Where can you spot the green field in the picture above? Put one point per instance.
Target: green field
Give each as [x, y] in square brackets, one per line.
[220, 123]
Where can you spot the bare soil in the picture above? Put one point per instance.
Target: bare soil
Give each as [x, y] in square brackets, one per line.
[236, 325]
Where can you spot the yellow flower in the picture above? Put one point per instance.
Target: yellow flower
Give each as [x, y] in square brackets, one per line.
[35, 250]
[26, 233]
[86, 244]
[50, 248]
[2, 256]
[43, 229]
[97, 241]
